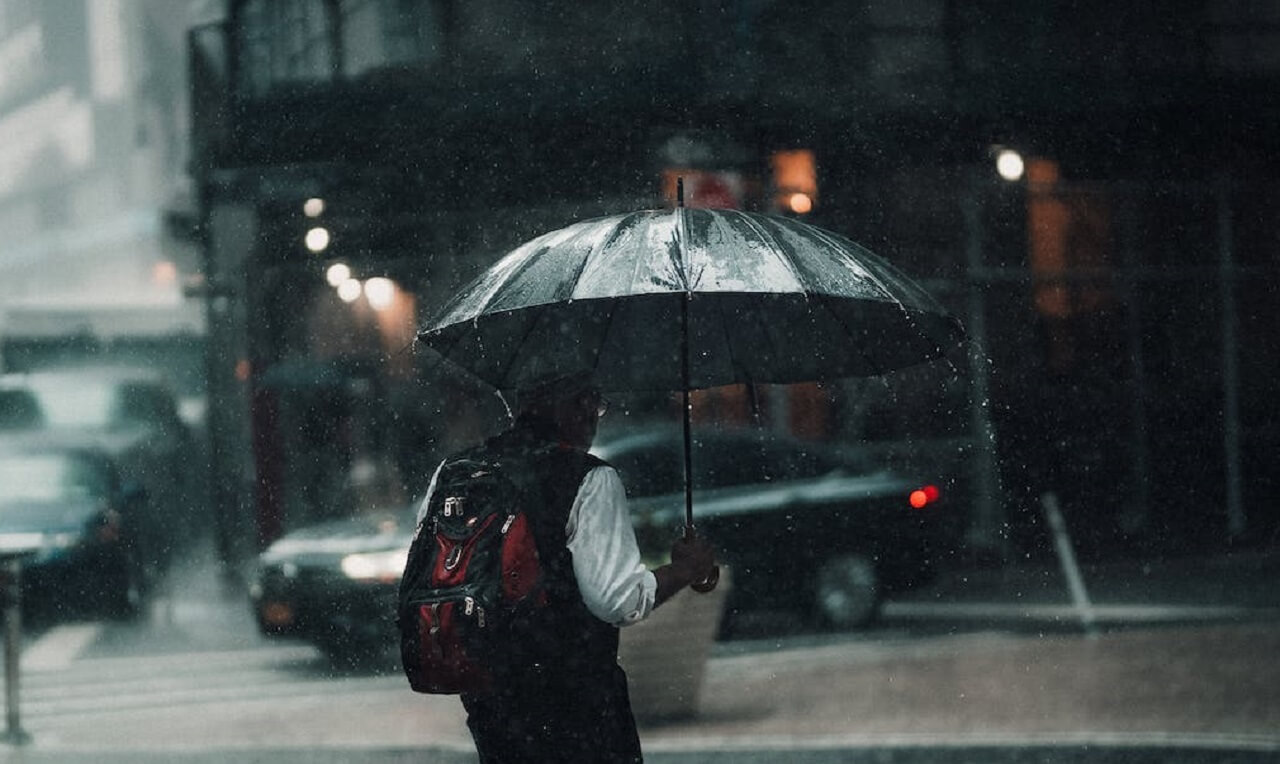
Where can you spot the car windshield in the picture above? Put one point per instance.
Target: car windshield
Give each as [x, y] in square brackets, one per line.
[654, 466]
[49, 478]
[76, 402]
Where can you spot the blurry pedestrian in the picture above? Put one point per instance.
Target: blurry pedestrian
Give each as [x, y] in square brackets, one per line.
[560, 695]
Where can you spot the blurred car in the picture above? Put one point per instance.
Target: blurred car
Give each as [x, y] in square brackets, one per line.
[19, 410]
[133, 415]
[820, 532]
[334, 584]
[67, 507]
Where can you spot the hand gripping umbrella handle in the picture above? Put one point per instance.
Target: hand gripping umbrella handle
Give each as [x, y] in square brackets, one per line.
[713, 578]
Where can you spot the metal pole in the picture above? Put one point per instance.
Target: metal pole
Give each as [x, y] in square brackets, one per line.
[987, 521]
[1236, 520]
[710, 582]
[1137, 517]
[684, 379]
[1067, 559]
[13, 732]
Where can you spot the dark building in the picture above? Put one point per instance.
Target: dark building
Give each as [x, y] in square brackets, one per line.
[1092, 188]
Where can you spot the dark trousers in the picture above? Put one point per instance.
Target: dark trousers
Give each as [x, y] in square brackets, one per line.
[581, 720]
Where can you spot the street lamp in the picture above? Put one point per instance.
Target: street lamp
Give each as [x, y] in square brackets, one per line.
[800, 203]
[337, 273]
[317, 239]
[1010, 165]
[380, 292]
[349, 290]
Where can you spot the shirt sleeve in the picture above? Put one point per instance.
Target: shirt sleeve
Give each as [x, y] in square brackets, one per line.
[616, 586]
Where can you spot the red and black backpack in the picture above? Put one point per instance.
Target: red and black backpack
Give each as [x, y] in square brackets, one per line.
[472, 567]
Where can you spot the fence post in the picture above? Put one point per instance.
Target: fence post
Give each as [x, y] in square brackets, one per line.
[12, 597]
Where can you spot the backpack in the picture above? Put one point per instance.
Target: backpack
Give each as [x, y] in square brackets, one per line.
[472, 567]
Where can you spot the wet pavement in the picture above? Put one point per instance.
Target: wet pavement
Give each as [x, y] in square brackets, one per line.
[986, 666]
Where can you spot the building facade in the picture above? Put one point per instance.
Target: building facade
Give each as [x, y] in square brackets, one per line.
[92, 164]
[1090, 189]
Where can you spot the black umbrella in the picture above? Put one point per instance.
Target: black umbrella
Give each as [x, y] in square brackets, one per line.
[686, 299]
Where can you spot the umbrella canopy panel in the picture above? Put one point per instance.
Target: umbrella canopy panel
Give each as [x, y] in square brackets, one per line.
[769, 300]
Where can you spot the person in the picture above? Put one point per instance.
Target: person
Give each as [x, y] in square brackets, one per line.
[561, 695]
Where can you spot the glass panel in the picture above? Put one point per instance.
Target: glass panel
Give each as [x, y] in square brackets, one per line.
[284, 41]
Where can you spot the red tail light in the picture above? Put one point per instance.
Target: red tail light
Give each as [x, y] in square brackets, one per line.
[922, 497]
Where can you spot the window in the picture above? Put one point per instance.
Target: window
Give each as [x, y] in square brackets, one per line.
[300, 41]
[388, 33]
[284, 41]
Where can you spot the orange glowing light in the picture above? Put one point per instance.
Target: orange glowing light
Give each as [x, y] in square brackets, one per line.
[164, 272]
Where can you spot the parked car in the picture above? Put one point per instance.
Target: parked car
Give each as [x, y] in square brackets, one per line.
[131, 414]
[20, 410]
[334, 584]
[67, 507]
[805, 528]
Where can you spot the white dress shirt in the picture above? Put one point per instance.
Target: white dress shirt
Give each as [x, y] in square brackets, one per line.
[616, 586]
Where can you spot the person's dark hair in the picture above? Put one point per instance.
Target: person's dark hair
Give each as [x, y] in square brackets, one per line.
[539, 397]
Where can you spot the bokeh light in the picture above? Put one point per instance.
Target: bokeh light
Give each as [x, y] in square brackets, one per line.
[350, 290]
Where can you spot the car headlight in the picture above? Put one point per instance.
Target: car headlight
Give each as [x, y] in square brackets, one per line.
[60, 541]
[386, 567]
[43, 547]
[22, 542]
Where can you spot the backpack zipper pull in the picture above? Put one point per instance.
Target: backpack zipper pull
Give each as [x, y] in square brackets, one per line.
[470, 605]
[506, 526]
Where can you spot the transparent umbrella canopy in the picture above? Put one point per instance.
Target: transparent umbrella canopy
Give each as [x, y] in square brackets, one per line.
[686, 299]
[752, 298]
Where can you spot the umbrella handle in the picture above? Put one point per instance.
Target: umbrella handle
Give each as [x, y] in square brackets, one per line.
[708, 583]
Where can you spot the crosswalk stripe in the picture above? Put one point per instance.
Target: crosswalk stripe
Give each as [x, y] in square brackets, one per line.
[1045, 611]
[150, 697]
[65, 685]
[177, 662]
[59, 647]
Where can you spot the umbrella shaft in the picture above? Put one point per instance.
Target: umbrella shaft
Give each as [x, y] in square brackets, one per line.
[688, 466]
[688, 436]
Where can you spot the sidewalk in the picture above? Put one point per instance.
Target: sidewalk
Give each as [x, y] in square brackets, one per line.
[1237, 586]
[1206, 683]
[1018, 688]
[1151, 694]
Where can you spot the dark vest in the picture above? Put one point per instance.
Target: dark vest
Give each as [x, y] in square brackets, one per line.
[561, 642]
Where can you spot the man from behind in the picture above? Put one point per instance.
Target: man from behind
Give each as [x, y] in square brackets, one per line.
[557, 692]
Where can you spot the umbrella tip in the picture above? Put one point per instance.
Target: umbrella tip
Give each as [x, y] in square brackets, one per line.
[680, 191]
